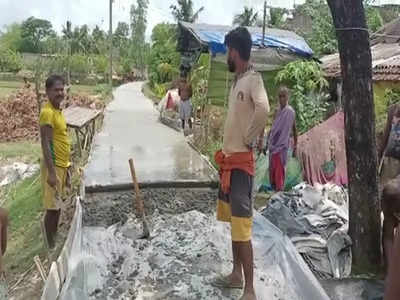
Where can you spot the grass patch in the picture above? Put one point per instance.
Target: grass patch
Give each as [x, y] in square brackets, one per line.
[27, 152]
[23, 201]
[146, 90]
[24, 204]
[84, 89]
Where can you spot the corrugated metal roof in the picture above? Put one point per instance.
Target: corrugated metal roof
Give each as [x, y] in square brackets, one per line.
[385, 63]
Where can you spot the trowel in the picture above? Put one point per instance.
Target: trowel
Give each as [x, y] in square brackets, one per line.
[139, 203]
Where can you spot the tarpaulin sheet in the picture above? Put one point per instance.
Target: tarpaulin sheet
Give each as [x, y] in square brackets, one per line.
[322, 152]
[185, 253]
[316, 220]
[214, 37]
[293, 172]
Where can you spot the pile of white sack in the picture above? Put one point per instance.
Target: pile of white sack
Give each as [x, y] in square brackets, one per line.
[16, 171]
[316, 221]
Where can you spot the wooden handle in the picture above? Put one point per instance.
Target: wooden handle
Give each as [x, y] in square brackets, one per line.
[139, 202]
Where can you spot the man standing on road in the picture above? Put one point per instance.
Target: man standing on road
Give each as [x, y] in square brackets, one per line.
[279, 140]
[56, 156]
[246, 118]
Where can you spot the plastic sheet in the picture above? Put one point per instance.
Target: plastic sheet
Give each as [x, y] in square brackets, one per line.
[186, 251]
[316, 220]
[293, 173]
[214, 37]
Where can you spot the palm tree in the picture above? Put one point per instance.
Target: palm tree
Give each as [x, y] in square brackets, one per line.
[184, 11]
[276, 16]
[247, 18]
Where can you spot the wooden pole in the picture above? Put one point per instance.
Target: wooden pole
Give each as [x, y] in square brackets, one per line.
[356, 67]
[264, 22]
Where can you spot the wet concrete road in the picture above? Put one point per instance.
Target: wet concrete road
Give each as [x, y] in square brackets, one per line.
[131, 130]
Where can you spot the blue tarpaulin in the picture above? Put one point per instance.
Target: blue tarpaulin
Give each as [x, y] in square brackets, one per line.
[214, 36]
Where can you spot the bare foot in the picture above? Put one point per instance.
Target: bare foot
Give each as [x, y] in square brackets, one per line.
[235, 279]
[249, 296]
[232, 281]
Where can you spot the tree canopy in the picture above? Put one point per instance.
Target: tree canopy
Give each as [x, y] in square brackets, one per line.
[33, 32]
[184, 11]
[247, 18]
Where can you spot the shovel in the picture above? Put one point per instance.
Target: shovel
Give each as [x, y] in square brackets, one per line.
[139, 202]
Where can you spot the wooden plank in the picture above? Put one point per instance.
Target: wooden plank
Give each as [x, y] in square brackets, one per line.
[78, 117]
[79, 142]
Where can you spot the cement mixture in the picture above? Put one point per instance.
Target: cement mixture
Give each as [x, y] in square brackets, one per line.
[188, 248]
[106, 209]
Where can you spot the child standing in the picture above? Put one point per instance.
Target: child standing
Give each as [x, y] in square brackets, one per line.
[185, 109]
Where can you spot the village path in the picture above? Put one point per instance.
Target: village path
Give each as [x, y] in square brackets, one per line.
[131, 130]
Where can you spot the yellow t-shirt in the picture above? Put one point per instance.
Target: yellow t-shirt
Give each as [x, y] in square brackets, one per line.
[60, 145]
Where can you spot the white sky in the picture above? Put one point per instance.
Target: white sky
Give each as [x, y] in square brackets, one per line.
[95, 12]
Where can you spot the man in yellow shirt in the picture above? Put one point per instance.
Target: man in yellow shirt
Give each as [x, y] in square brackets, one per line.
[56, 156]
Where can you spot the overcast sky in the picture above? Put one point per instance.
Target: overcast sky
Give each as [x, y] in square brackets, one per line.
[95, 12]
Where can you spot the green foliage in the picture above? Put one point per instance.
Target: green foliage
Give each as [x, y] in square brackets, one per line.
[53, 45]
[276, 16]
[184, 11]
[33, 32]
[166, 72]
[160, 90]
[104, 90]
[305, 78]
[392, 96]
[138, 19]
[248, 17]
[374, 19]
[10, 61]
[79, 64]
[79, 39]
[27, 152]
[163, 61]
[100, 64]
[99, 38]
[23, 201]
[199, 80]
[126, 64]
[322, 39]
[121, 39]
[11, 38]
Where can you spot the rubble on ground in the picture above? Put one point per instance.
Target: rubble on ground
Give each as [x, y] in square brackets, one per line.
[16, 171]
[316, 220]
[19, 114]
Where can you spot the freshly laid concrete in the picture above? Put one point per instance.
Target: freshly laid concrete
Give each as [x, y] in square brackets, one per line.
[131, 130]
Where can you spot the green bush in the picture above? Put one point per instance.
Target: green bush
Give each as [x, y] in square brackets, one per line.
[79, 64]
[104, 90]
[160, 90]
[100, 64]
[307, 82]
[126, 65]
[10, 61]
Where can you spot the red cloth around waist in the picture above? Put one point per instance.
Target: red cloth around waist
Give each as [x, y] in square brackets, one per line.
[242, 161]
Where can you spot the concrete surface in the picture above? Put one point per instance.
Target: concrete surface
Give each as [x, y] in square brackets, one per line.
[131, 130]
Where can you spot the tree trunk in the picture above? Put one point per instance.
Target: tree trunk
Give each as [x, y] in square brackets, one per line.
[355, 57]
